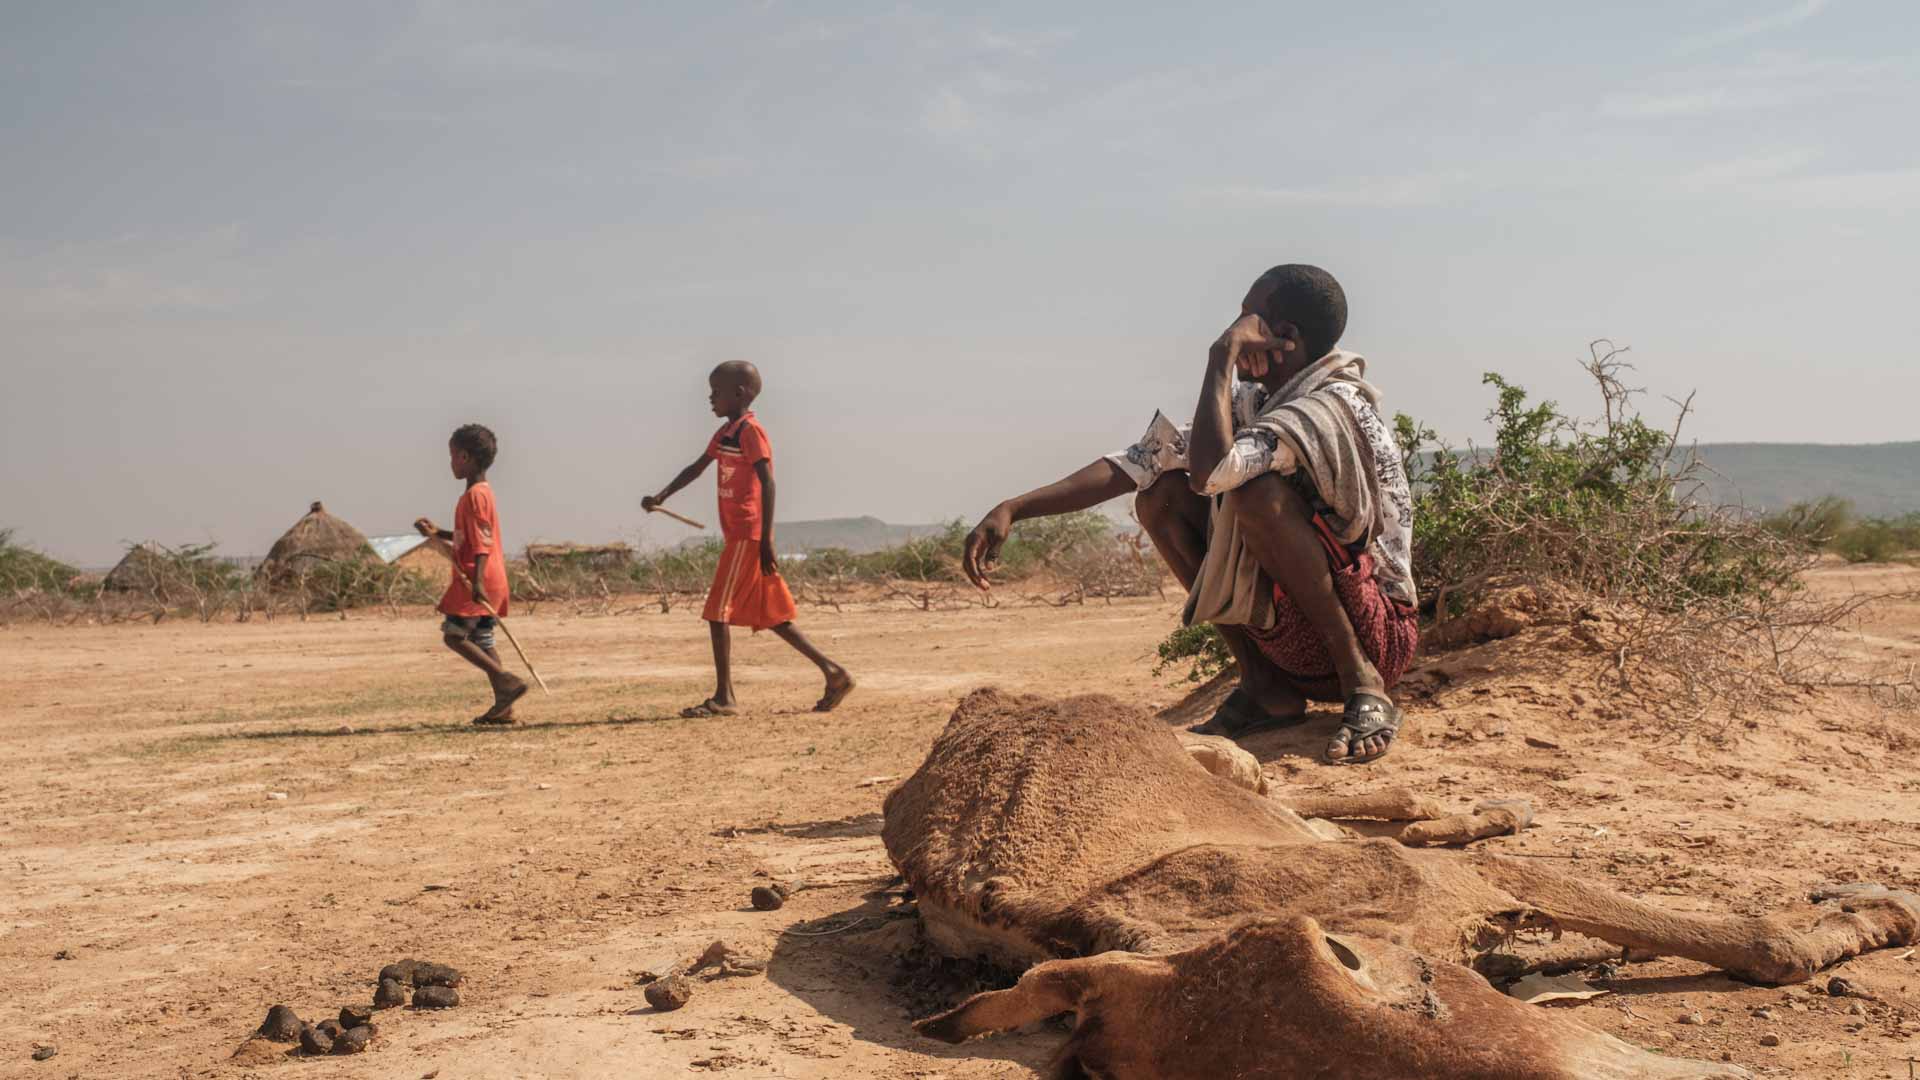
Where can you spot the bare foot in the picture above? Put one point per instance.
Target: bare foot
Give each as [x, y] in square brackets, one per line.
[839, 685]
[509, 689]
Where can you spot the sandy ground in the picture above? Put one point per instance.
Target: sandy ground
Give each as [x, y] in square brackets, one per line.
[157, 900]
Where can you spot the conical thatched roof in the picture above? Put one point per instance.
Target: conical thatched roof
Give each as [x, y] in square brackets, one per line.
[140, 570]
[315, 539]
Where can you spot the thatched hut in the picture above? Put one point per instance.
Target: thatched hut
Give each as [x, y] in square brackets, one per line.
[316, 539]
[599, 557]
[142, 569]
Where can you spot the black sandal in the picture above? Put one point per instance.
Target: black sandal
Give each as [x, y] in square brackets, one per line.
[1239, 716]
[1367, 715]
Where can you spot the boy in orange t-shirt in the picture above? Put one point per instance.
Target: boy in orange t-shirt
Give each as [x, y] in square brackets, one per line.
[477, 595]
[747, 587]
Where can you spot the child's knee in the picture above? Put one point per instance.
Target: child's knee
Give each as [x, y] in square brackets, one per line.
[452, 642]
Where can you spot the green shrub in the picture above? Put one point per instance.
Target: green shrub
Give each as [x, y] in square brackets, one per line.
[21, 567]
[1201, 648]
[1816, 524]
[1878, 539]
[1607, 507]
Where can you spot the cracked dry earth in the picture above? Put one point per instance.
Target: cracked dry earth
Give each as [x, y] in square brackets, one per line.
[606, 837]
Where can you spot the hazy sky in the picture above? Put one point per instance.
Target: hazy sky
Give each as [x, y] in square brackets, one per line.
[255, 254]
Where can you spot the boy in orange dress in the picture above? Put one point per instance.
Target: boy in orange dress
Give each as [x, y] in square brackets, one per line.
[747, 588]
[478, 591]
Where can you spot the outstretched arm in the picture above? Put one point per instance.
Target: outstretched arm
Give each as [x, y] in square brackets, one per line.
[687, 476]
[1086, 488]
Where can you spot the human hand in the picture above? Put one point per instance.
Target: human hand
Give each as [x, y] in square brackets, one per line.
[1248, 345]
[650, 502]
[426, 527]
[769, 561]
[480, 596]
[982, 552]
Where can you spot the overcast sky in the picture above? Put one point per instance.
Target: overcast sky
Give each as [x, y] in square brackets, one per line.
[256, 254]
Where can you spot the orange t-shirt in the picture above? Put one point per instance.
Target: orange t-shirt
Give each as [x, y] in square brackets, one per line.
[476, 532]
[736, 447]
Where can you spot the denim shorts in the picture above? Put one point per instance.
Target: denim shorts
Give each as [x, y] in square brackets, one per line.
[478, 629]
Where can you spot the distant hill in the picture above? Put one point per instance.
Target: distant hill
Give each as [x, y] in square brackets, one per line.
[1880, 479]
[858, 534]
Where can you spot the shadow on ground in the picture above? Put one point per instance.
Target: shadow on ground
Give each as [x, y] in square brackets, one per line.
[869, 967]
[350, 731]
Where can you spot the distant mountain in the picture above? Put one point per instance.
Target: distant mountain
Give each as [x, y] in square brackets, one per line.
[858, 534]
[1880, 479]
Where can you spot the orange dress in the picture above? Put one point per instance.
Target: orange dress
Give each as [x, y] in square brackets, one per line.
[742, 595]
[476, 532]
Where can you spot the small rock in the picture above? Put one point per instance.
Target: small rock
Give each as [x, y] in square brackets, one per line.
[45, 1052]
[277, 796]
[1690, 1018]
[1763, 1013]
[669, 993]
[353, 1040]
[425, 974]
[391, 994]
[353, 1016]
[1769, 1039]
[344, 729]
[281, 1025]
[63, 954]
[1839, 987]
[770, 897]
[1856, 1009]
[436, 997]
[543, 787]
[315, 1041]
[330, 1027]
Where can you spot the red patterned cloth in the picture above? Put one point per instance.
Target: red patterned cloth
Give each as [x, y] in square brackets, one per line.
[1389, 631]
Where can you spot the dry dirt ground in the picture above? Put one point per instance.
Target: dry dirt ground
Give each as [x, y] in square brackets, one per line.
[157, 900]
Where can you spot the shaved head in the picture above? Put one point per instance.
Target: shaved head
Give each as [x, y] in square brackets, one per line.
[741, 374]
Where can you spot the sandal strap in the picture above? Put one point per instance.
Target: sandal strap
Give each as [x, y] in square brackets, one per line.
[1367, 716]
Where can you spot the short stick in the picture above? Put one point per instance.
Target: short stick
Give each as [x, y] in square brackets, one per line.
[681, 518]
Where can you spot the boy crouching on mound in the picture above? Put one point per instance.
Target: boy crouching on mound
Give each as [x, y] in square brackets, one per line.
[747, 587]
[477, 595]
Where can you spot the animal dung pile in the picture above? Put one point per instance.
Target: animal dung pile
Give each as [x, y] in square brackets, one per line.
[434, 985]
[282, 1025]
[669, 993]
[771, 897]
[348, 1035]
[433, 988]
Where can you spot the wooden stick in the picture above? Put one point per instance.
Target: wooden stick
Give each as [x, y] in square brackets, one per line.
[447, 550]
[681, 518]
